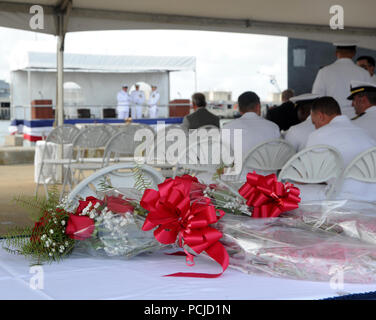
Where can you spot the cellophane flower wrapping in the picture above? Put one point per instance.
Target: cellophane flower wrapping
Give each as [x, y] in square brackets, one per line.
[353, 219]
[120, 233]
[288, 248]
[117, 233]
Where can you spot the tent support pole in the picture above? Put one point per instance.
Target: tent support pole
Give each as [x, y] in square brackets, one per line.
[60, 74]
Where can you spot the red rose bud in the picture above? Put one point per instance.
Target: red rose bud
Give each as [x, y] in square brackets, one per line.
[119, 205]
[79, 227]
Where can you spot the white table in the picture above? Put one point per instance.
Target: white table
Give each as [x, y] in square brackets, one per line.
[141, 278]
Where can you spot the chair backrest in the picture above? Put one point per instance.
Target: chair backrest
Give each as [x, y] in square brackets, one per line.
[120, 175]
[316, 164]
[362, 167]
[268, 156]
[63, 134]
[135, 126]
[112, 129]
[205, 155]
[124, 143]
[164, 138]
[92, 137]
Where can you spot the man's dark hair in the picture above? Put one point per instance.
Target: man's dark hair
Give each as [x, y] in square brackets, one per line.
[198, 99]
[326, 105]
[371, 96]
[303, 108]
[370, 60]
[248, 101]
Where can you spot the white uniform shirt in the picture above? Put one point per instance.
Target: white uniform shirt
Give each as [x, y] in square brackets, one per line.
[255, 130]
[298, 135]
[138, 97]
[367, 121]
[350, 141]
[154, 98]
[123, 99]
[334, 81]
[373, 78]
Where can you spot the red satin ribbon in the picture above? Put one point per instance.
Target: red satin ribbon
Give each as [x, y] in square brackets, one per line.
[269, 197]
[177, 218]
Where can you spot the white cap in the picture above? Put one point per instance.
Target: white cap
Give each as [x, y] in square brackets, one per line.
[355, 84]
[346, 43]
[359, 87]
[124, 86]
[305, 96]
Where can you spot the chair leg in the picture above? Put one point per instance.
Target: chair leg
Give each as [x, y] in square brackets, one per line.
[39, 176]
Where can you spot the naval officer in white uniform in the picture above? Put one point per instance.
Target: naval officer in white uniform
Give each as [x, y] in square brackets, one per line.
[363, 96]
[297, 135]
[338, 131]
[334, 80]
[138, 100]
[367, 63]
[123, 102]
[153, 102]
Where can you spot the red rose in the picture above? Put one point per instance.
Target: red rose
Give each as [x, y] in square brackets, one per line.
[79, 227]
[119, 205]
[84, 203]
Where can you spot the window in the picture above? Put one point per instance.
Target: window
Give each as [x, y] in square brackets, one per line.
[299, 57]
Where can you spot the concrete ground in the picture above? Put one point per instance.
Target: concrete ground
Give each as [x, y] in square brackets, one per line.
[15, 180]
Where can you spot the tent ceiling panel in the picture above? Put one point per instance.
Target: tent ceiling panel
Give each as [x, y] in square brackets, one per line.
[295, 18]
[43, 61]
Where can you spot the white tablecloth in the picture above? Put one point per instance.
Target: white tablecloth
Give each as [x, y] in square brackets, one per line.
[141, 278]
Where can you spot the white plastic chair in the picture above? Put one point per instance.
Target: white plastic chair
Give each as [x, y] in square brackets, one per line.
[88, 142]
[122, 146]
[62, 136]
[314, 165]
[118, 176]
[163, 139]
[112, 129]
[202, 159]
[362, 167]
[269, 156]
[265, 158]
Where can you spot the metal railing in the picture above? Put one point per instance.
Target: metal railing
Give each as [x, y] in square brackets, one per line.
[97, 111]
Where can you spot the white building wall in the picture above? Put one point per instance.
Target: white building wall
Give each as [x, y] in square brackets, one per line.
[99, 89]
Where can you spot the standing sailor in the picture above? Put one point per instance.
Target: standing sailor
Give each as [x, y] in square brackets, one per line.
[334, 79]
[153, 102]
[138, 99]
[123, 101]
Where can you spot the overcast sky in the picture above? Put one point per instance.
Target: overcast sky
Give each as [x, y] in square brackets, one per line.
[225, 61]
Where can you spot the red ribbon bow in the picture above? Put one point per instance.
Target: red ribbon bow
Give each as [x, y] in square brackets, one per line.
[177, 216]
[269, 197]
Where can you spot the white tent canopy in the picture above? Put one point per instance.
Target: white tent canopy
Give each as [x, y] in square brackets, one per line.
[40, 61]
[293, 18]
[305, 19]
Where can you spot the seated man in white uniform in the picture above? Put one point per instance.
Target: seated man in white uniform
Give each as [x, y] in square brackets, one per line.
[297, 135]
[123, 102]
[363, 96]
[255, 129]
[334, 80]
[153, 101]
[138, 99]
[338, 131]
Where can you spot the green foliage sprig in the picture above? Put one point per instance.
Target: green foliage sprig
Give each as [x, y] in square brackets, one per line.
[141, 182]
[46, 241]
